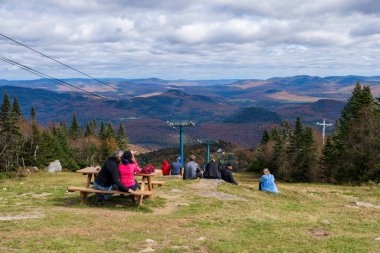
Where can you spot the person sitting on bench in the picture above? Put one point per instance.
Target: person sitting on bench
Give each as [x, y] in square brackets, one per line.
[192, 170]
[267, 182]
[127, 168]
[108, 177]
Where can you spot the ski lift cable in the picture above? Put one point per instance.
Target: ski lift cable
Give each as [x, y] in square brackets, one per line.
[38, 73]
[72, 68]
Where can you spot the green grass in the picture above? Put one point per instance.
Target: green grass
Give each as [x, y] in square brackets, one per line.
[265, 222]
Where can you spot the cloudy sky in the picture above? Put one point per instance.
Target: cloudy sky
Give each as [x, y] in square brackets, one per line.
[213, 39]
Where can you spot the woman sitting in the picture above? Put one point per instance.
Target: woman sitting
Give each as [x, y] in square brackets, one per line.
[127, 168]
[165, 168]
[267, 182]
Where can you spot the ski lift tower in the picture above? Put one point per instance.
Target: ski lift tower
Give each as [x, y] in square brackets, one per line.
[181, 125]
[208, 143]
[324, 125]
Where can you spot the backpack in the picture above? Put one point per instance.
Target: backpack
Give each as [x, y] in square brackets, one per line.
[148, 169]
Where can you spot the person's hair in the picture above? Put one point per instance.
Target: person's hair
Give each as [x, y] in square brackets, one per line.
[192, 158]
[266, 170]
[117, 154]
[127, 156]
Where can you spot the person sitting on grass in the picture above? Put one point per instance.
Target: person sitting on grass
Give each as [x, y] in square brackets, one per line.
[267, 182]
[108, 177]
[212, 170]
[176, 167]
[165, 168]
[227, 174]
[192, 170]
[127, 168]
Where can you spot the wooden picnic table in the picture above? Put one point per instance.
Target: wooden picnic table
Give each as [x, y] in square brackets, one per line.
[93, 171]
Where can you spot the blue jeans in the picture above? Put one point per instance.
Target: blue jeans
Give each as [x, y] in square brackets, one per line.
[102, 188]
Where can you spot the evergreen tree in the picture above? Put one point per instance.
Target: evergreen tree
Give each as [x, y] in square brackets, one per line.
[328, 161]
[265, 138]
[110, 132]
[33, 113]
[74, 131]
[122, 138]
[16, 107]
[10, 136]
[102, 131]
[88, 130]
[357, 139]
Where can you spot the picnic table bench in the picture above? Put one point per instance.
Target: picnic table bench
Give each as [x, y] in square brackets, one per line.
[137, 195]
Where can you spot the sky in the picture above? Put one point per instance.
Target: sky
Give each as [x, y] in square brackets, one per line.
[192, 39]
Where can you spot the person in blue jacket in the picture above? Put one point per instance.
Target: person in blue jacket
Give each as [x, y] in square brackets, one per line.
[267, 182]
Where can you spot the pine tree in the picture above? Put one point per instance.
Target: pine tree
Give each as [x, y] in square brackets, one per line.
[10, 136]
[110, 132]
[357, 139]
[122, 138]
[328, 161]
[33, 113]
[102, 131]
[265, 138]
[16, 107]
[74, 128]
[88, 130]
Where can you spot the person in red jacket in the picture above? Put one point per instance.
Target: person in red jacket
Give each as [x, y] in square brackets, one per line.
[165, 168]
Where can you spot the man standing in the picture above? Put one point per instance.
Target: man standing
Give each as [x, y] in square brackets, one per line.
[227, 174]
[192, 170]
[176, 167]
[108, 177]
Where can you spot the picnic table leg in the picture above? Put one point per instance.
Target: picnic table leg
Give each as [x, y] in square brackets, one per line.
[150, 186]
[83, 196]
[142, 188]
[88, 182]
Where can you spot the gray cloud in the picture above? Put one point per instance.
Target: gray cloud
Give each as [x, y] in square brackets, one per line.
[193, 39]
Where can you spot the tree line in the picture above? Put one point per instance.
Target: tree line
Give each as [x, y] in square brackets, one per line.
[351, 154]
[25, 143]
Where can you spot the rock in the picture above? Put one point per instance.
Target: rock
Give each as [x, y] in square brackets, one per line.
[176, 190]
[150, 241]
[54, 167]
[377, 239]
[364, 204]
[147, 250]
[5, 189]
[201, 238]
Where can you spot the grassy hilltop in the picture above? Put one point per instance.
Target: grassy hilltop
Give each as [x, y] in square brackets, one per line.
[189, 216]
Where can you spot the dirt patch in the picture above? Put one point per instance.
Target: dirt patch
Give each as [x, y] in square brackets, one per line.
[220, 195]
[21, 217]
[319, 233]
[207, 184]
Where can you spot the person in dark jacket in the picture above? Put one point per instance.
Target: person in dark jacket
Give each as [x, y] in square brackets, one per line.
[212, 170]
[227, 174]
[108, 177]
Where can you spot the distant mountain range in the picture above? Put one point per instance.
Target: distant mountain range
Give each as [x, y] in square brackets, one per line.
[233, 110]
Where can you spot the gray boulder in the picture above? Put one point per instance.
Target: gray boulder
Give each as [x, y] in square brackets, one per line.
[54, 166]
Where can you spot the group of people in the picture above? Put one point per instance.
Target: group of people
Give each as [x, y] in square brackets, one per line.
[215, 170]
[118, 173]
[191, 170]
